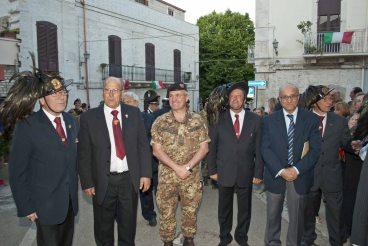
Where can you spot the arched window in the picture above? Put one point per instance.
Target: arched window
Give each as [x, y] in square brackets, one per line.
[177, 65]
[47, 46]
[150, 61]
[115, 68]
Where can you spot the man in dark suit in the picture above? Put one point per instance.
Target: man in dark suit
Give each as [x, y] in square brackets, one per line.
[234, 161]
[290, 149]
[42, 164]
[359, 232]
[327, 172]
[114, 163]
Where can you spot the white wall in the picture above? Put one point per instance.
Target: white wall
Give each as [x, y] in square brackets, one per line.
[134, 23]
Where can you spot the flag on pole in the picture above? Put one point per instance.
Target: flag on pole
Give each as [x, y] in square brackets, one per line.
[126, 84]
[337, 37]
[157, 84]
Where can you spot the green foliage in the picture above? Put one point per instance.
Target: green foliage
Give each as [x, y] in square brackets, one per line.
[304, 26]
[223, 44]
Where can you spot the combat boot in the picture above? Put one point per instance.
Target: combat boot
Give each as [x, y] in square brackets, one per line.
[188, 241]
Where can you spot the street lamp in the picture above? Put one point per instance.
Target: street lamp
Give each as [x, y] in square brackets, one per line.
[275, 45]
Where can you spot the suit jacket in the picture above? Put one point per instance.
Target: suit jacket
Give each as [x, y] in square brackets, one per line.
[94, 149]
[236, 161]
[148, 121]
[328, 170]
[274, 149]
[359, 235]
[42, 170]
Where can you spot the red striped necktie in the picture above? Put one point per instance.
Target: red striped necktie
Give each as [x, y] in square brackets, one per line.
[118, 137]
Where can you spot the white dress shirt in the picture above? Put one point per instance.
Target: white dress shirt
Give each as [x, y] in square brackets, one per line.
[323, 122]
[287, 121]
[241, 118]
[52, 118]
[116, 164]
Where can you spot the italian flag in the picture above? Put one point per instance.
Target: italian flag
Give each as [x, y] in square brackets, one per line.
[337, 37]
[157, 84]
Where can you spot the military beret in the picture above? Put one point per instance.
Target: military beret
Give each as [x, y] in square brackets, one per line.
[177, 87]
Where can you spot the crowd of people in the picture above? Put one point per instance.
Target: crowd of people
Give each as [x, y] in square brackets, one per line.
[306, 148]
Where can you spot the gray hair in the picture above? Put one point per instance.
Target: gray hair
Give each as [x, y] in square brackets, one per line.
[113, 79]
[131, 95]
[288, 85]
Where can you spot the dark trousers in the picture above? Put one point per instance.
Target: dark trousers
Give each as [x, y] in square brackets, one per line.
[225, 213]
[120, 204]
[56, 235]
[351, 175]
[147, 202]
[333, 204]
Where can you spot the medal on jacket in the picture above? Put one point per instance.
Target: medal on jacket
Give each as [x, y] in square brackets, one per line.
[63, 140]
[115, 122]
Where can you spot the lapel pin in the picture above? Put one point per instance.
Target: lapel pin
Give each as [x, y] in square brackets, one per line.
[126, 116]
[76, 140]
[69, 126]
[63, 140]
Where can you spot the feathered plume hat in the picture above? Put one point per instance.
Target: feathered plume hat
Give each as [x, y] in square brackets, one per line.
[312, 95]
[27, 88]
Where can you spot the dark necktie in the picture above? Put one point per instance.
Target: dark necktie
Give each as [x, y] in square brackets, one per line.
[321, 118]
[290, 134]
[118, 137]
[60, 129]
[237, 126]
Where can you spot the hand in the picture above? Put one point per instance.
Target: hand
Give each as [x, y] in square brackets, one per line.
[356, 145]
[32, 217]
[145, 184]
[182, 172]
[257, 181]
[90, 191]
[214, 177]
[289, 174]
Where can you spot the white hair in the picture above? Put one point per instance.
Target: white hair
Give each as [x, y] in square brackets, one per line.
[113, 79]
[131, 95]
[288, 85]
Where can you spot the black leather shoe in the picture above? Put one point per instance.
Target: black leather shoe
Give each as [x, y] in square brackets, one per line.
[168, 243]
[152, 222]
[188, 241]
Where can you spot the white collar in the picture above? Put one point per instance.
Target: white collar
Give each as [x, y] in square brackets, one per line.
[241, 113]
[107, 109]
[52, 117]
[295, 113]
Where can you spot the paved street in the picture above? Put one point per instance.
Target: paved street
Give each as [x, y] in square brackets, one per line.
[15, 231]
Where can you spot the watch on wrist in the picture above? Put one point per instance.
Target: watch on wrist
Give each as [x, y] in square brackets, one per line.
[189, 169]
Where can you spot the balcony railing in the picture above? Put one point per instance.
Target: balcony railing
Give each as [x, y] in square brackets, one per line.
[134, 73]
[313, 44]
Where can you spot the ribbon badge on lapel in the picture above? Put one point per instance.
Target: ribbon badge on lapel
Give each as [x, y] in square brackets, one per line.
[126, 116]
[115, 122]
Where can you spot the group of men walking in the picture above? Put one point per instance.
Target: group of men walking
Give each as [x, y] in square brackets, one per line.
[294, 151]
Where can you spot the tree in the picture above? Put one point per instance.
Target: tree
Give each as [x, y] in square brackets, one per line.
[223, 44]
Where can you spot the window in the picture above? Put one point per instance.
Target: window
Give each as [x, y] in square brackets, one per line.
[144, 2]
[170, 11]
[115, 68]
[329, 15]
[47, 47]
[150, 61]
[177, 65]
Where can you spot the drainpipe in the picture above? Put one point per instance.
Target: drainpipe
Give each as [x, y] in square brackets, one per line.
[85, 51]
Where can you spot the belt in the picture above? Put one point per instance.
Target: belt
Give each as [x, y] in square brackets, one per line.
[117, 173]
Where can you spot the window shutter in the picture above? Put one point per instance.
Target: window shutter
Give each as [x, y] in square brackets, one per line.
[150, 61]
[115, 68]
[177, 65]
[47, 48]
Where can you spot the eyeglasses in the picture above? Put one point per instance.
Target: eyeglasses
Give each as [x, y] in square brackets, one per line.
[289, 98]
[112, 91]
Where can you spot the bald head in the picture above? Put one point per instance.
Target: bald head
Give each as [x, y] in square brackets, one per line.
[289, 97]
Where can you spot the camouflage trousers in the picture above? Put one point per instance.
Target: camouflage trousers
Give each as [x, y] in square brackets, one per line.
[168, 193]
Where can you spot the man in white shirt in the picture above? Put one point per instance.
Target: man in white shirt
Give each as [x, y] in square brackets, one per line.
[235, 162]
[114, 164]
[328, 170]
[290, 149]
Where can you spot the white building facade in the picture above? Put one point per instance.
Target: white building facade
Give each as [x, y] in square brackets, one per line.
[87, 41]
[282, 54]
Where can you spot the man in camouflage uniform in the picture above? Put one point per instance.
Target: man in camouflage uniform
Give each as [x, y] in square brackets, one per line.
[180, 141]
